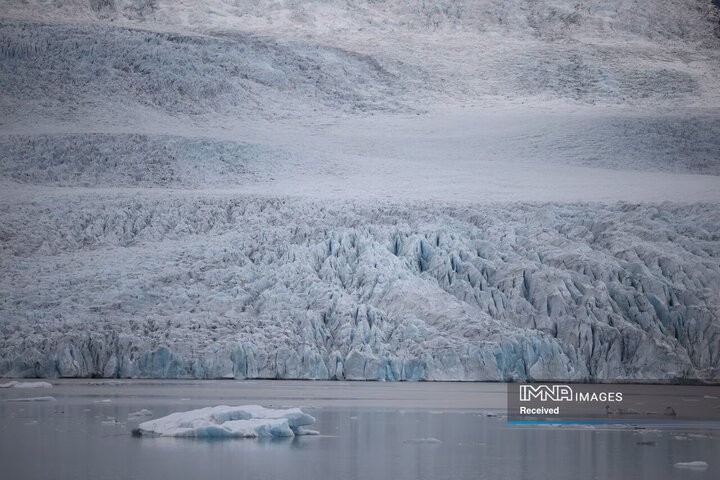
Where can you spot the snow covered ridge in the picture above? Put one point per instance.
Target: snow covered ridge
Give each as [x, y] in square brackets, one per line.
[248, 421]
[202, 287]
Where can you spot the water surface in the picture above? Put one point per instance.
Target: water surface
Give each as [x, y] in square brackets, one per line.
[368, 431]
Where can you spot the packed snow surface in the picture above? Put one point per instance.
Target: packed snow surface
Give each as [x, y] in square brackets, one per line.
[248, 421]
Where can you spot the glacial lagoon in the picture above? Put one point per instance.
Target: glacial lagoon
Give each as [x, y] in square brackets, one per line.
[82, 429]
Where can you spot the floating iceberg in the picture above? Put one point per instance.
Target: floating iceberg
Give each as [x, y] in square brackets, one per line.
[248, 421]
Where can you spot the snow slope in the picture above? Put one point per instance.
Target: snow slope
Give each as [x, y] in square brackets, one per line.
[407, 190]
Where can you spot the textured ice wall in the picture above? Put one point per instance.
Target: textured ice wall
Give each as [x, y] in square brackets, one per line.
[197, 287]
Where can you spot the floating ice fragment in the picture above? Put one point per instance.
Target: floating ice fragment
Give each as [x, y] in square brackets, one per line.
[140, 413]
[696, 465]
[14, 384]
[304, 431]
[248, 421]
[429, 440]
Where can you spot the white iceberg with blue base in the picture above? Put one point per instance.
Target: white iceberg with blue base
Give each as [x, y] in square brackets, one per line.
[247, 421]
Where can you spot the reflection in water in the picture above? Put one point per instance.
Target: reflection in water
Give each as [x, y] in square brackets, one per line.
[75, 439]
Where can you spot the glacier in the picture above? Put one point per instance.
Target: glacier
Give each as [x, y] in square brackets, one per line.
[360, 190]
[275, 288]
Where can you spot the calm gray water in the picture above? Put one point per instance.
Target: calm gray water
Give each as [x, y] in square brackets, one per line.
[75, 438]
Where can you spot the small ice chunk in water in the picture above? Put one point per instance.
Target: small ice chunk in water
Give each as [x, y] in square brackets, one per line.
[140, 413]
[14, 384]
[248, 421]
[429, 440]
[304, 431]
[696, 465]
[31, 399]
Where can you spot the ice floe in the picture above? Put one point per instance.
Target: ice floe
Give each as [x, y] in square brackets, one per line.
[248, 421]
